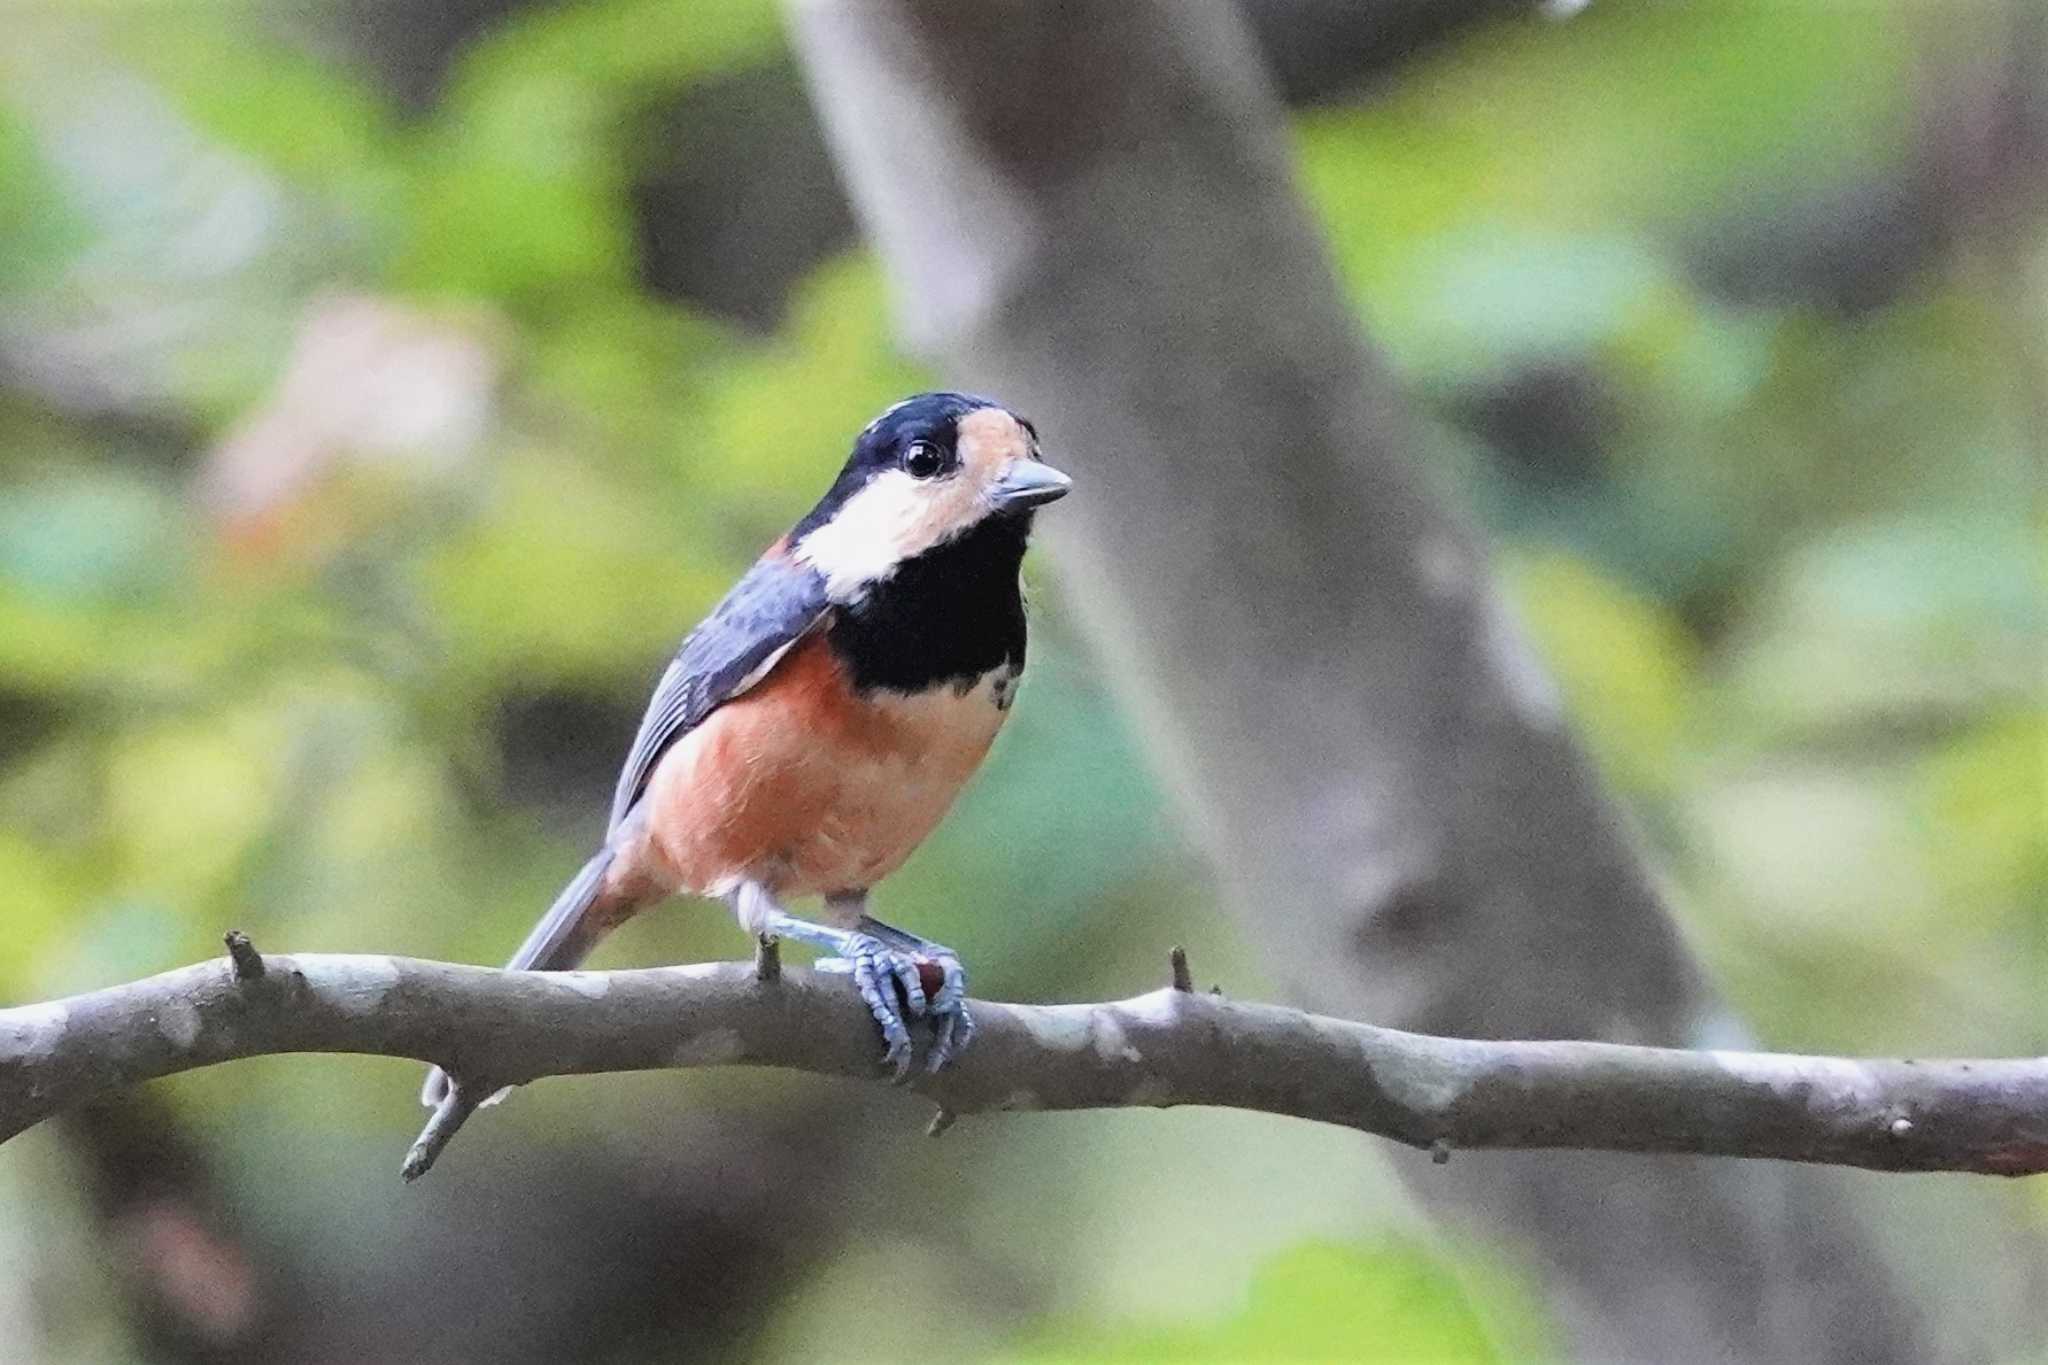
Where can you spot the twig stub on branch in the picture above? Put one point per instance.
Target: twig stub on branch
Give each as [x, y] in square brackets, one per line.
[246, 962]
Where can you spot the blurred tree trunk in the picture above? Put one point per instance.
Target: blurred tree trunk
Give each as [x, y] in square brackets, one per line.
[1088, 210]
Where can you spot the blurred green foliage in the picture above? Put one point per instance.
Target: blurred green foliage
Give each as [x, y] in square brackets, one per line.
[1786, 559]
[1319, 1301]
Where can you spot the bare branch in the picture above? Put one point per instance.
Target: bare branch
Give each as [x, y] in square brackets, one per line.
[1171, 1047]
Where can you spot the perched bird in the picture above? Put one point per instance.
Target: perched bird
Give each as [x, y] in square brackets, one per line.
[818, 724]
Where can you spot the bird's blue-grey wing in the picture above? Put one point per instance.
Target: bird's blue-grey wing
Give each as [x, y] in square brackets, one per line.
[772, 607]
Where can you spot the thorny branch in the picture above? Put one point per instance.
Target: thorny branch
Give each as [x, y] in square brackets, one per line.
[1171, 1047]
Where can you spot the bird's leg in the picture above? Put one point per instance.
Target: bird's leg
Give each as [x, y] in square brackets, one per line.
[874, 964]
[952, 1025]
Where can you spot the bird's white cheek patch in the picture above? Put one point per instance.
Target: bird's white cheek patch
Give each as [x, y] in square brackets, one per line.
[893, 519]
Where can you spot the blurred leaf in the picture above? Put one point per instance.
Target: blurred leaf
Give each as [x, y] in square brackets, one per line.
[313, 123]
[1623, 662]
[188, 800]
[1887, 619]
[521, 180]
[1483, 135]
[628, 47]
[42, 898]
[99, 538]
[1318, 1302]
[48, 647]
[114, 938]
[1988, 795]
[193, 258]
[520, 192]
[1497, 300]
[39, 227]
[628, 371]
[88, 562]
[569, 575]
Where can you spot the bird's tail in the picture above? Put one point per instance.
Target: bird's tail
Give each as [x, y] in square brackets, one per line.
[563, 938]
[568, 931]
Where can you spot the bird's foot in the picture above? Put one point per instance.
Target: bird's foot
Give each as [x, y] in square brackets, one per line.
[952, 1025]
[889, 982]
[892, 980]
[900, 977]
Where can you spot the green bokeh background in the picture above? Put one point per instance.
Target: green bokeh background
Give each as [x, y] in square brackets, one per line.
[1782, 544]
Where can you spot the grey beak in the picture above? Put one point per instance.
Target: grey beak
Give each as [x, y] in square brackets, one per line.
[1027, 483]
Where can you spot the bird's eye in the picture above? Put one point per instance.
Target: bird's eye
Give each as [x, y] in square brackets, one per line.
[922, 460]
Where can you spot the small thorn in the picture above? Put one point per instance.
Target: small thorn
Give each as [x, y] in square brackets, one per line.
[1183, 980]
[243, 958]
[767, 958]
[1901, 1128]
[1440, 1152]
[943, 1119]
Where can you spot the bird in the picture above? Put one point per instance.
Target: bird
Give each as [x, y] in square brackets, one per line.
[818, 724]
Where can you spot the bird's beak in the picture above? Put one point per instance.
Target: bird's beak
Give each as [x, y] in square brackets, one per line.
[1026, 484]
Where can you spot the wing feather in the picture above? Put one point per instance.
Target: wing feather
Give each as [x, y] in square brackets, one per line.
[772, 607]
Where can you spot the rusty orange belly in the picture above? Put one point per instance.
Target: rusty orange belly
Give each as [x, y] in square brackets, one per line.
[807, 787]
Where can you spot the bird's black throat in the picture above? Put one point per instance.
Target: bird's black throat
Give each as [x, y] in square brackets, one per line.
[948, 617]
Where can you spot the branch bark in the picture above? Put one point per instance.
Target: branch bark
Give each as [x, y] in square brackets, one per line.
[1171, 1047]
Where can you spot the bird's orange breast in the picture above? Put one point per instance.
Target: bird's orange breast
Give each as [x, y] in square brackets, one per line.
[809, 787]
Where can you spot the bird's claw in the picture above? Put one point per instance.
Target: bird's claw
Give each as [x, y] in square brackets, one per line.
[952, 1025]
[890, 983]
[887, 980]
[876, 966]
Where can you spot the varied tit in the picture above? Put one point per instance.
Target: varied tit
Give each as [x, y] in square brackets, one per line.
[816, 727]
